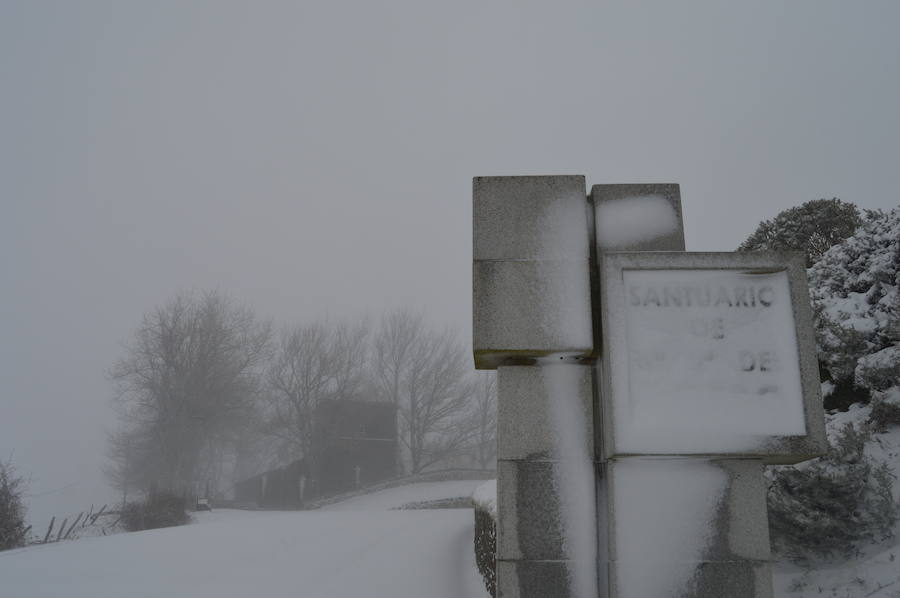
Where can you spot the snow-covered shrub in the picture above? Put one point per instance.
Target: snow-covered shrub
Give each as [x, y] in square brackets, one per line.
[853, 281]
[12, 511]
[160, 509]
[832, 505]
[885, 411]
[855, 287]
[486, 548]
[879, 371]
[485, 500]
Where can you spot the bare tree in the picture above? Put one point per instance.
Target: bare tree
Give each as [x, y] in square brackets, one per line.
[484, 416]
[395, 344]
[313, 363]
[122, 470]
[186, 386]
[425, 375]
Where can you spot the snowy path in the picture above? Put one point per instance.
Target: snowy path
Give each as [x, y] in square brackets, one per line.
[352, 550]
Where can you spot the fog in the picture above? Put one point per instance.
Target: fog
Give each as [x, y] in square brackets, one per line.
[315, 159]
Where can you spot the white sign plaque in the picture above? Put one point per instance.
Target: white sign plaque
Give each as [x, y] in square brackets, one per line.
[702, 360]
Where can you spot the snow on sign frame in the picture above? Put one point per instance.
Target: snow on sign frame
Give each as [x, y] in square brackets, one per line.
[709, 354]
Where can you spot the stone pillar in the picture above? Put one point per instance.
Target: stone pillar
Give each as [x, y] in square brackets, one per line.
[546, 539]
[605, 487]
[532, 322]
[683, 514]
[530, 269]
[669, 528]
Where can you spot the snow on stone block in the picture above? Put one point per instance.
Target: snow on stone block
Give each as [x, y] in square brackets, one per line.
[530, 218]
[638, 217]
[704, 535]
[574, 473]
[634, 220]
[529, 423]
[485, 497]
[651, 526]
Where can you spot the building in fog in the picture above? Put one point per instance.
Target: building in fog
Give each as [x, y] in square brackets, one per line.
[354, 444]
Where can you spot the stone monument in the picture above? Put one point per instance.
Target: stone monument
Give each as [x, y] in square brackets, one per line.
[642, 389]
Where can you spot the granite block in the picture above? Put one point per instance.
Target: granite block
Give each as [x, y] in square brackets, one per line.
[529, 424]
[530, 218]
[642, 217]
[536, 579]
[530, 309]
[685, 509]
[528, 518]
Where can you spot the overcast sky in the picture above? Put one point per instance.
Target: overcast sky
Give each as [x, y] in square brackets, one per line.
[316, 157]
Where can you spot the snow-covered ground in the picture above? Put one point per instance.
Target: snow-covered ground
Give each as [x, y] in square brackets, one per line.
[394, 498]
[359, 548]
[874, 576]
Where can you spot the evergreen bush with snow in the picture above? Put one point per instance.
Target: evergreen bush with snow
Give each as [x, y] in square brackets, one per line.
[885, 412]
[13, 530]
[833, 505]
[486, 548]
[855, 288]
[485, 501]
[812, 228]
[829, 507]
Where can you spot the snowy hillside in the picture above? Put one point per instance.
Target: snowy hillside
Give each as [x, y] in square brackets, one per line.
[361, 548]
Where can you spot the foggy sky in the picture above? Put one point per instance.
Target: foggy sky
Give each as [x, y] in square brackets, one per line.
[315, 158]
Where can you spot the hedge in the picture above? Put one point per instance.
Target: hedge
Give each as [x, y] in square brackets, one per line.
[486, 547]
